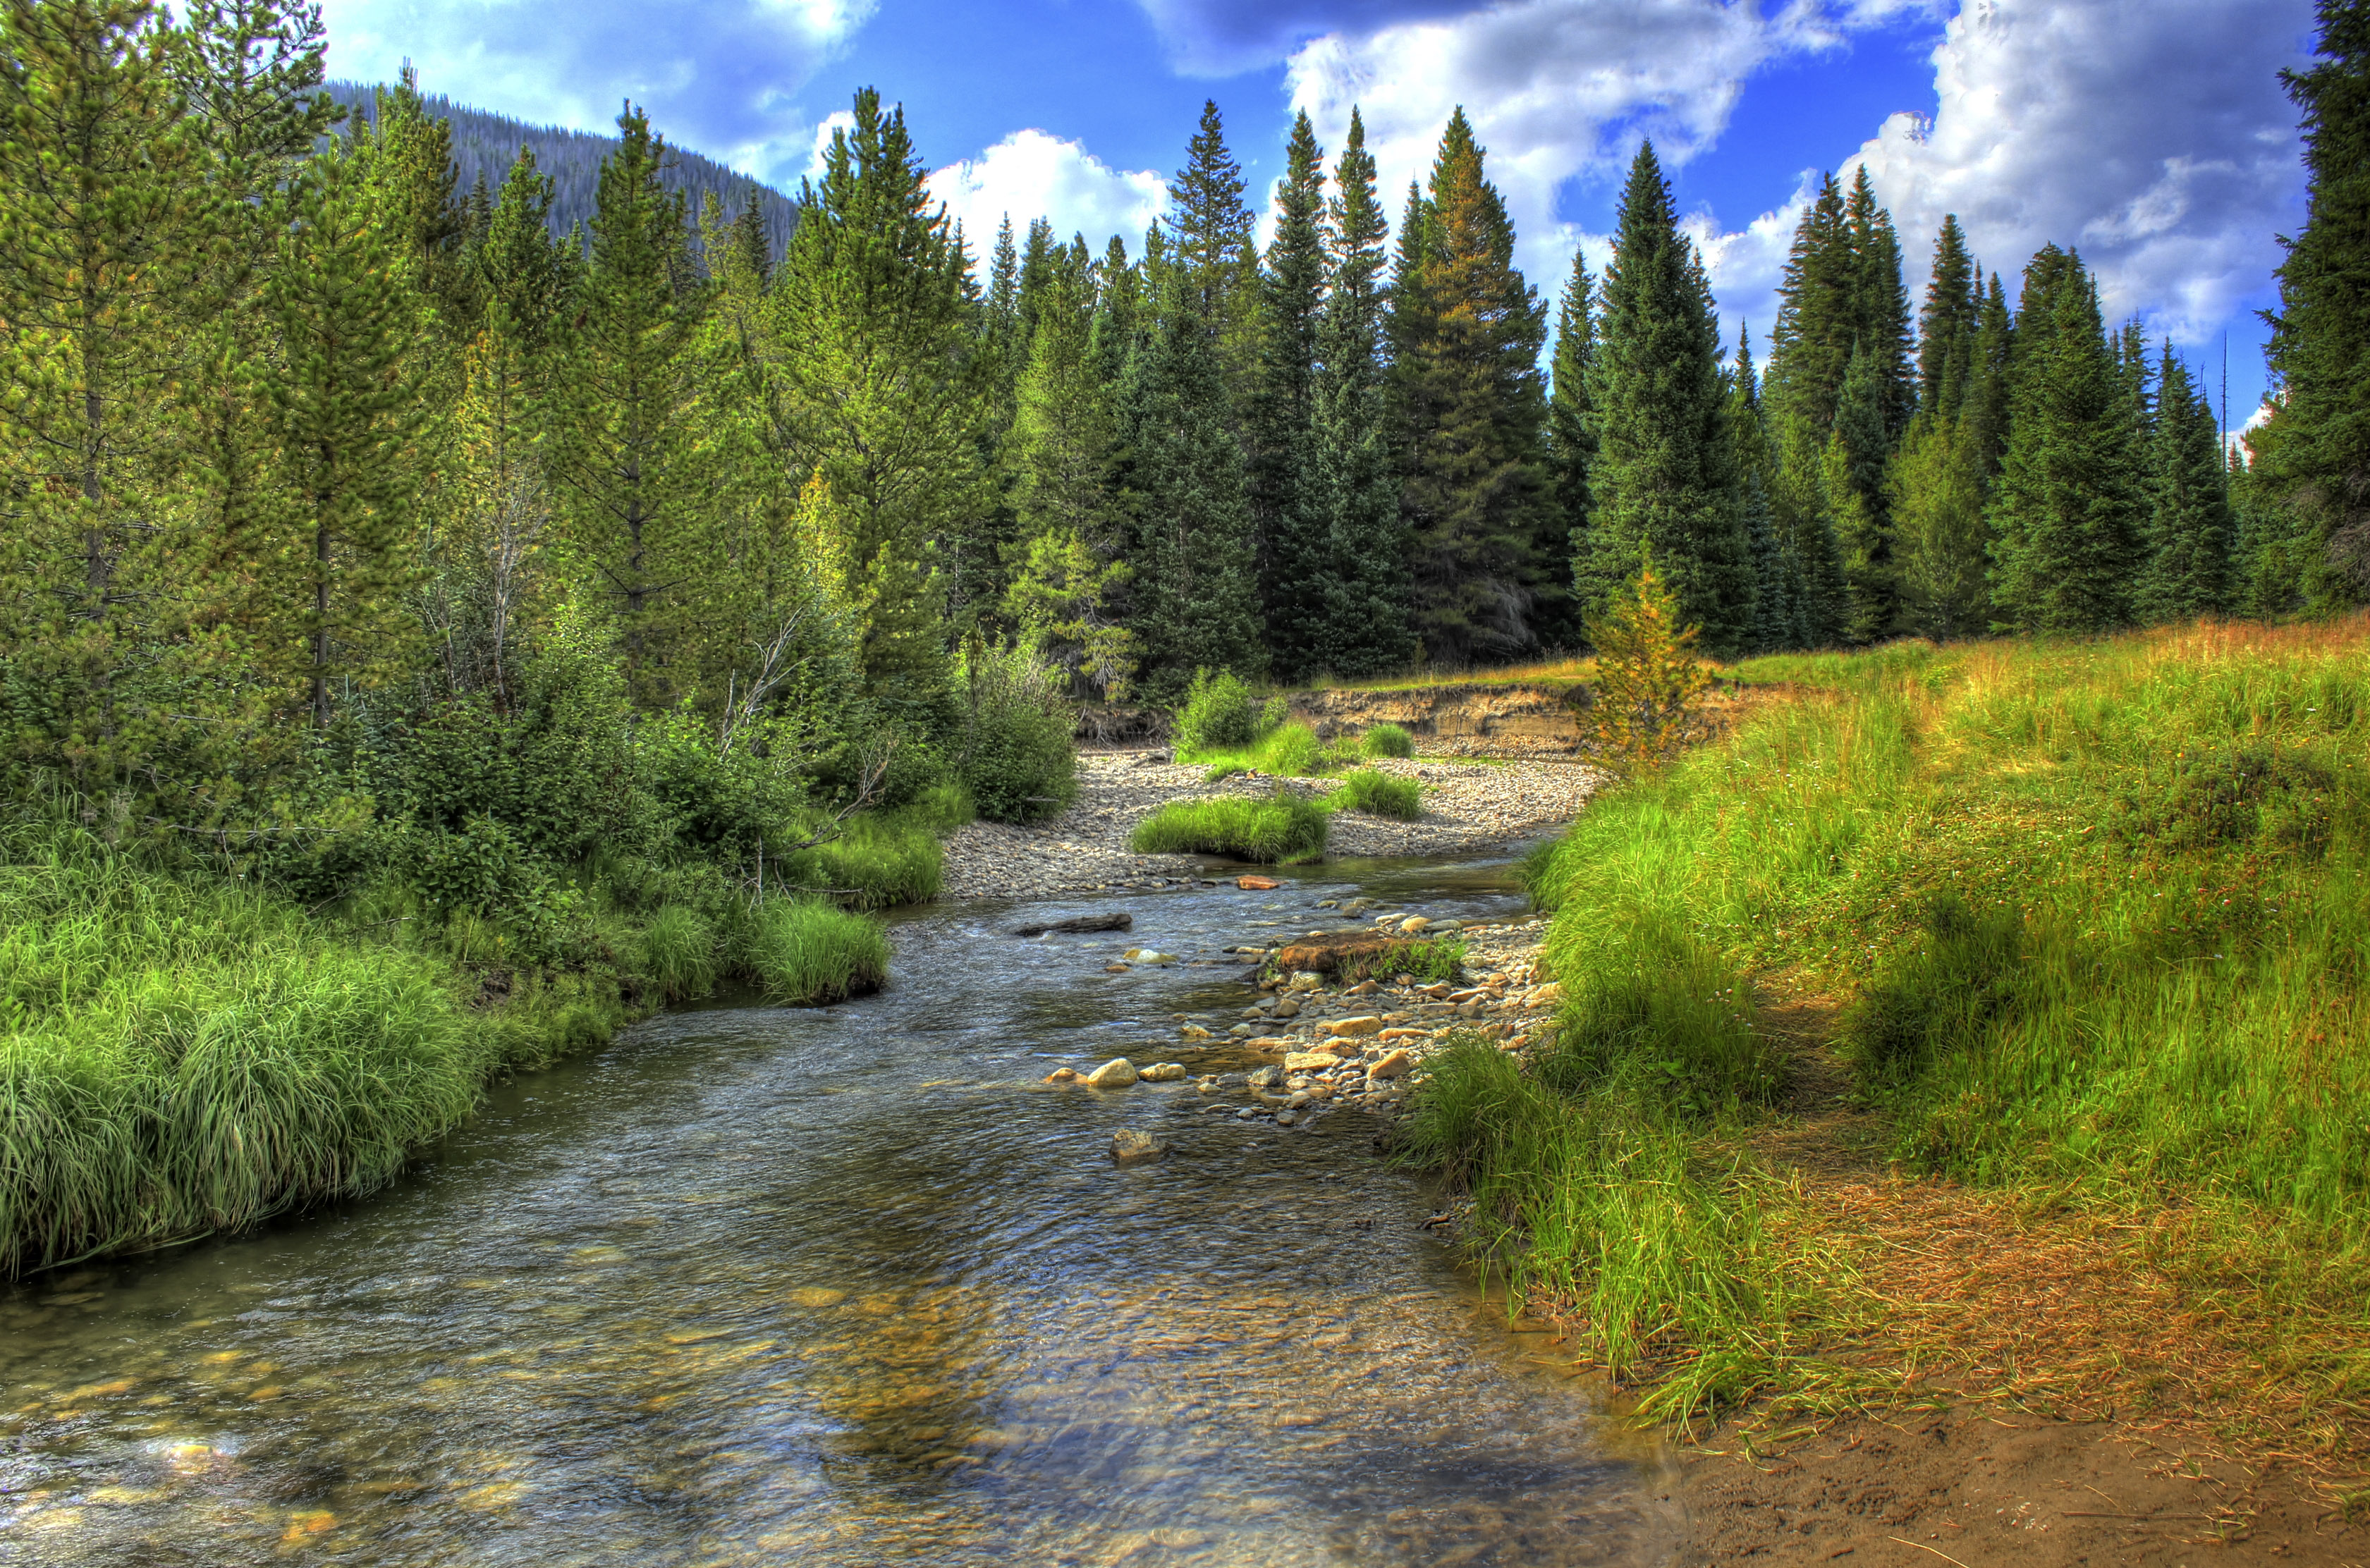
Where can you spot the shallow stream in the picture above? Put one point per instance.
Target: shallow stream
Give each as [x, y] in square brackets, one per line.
[848, 1285]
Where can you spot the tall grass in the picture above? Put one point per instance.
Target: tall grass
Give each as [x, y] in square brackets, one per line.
[1290, 751]
[2097, 913]
[1382, 794]
[875, 860]
[1282, 830]
[808, 952]
[1386, 741]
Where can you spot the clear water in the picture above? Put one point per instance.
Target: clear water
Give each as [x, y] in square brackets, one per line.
[849, 1285]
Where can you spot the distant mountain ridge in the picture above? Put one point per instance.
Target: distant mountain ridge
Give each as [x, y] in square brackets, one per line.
[485, 144]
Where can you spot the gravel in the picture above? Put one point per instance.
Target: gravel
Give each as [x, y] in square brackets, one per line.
[1468, 807]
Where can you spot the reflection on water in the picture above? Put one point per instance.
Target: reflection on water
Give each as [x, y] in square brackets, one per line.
[758, 1285]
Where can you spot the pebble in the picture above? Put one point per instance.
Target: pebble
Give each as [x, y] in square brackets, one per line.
[1117, 1073]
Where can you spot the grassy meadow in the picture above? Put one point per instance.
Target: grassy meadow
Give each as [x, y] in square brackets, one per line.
[2082, 923]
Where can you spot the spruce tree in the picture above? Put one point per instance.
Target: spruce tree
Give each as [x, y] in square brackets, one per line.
[1067, 579]
[1665, 475]
[628, 448]
[870, 317]
[1367, 629]
[1288, 513]
[1777, 621]
[2067, 510]
[1572, 449]
[1215, 251]
[1856, 455]
[1471, 409]
[1194, 601]
[1880, 312]
[1950, 313]
[2190, 532]
[2314, 448]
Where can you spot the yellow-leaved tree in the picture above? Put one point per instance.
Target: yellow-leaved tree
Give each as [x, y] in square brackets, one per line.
[1648, 678]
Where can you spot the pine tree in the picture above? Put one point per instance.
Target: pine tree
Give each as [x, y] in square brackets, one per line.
[2066, 511]
[1665, 475]
[1857, 454]
[1215, 248]
[1288, 513]
[1367, 629]
[870, 316]
[1937, 492]
[2190, 530]
[1470, 408]
[1948, 320]
[628, 454]
[1194, 602]
[345, 422]
[1880, 314]
[1818, 315]
[1572, 450]
[2314, 448]
[1067, 581]
[1777, 585]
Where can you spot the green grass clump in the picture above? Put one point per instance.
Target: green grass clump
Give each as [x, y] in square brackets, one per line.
[679, 952]
[1290, 751]
[2096, 913]
[1282, 830]
[1382, 794]
[1386, 741]
[876, 860]
[808, 952]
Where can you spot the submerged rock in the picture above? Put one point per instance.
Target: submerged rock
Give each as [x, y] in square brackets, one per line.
[1132, 1148]
[1065, 1075]
[1117, 1073]
[1118, 920]
[1257, 884]
[1162, 1072]
[1193, 1031]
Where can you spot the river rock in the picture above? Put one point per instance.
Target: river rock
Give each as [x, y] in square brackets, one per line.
[1267, 1078]
[1264, 1043]
[1311, 1061]
[1146, 955]
[1132, 1147]
[1115, 969]
[1286, 1118]
[1118, 920]
[1392, 1066]
[1193, 1031]
[1163, 1072]
[1306, 979]
[1412, 924]
[1287, 1007]
[1064, 1075]
[1258, 884]
[1117, 1073]
[1346, 1028]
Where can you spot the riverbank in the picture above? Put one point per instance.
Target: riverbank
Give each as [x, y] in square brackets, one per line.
[1468, 807]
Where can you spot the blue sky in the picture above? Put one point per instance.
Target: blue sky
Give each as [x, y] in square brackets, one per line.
[2150, 133]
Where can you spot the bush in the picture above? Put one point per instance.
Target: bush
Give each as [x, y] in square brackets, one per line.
[1019, 756]
[1282, 830]
[1386, 741]
[807, 952]
[1221, 715]
[1381, 794]
[1647, 676]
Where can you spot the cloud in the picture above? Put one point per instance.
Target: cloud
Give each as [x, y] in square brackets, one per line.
[1031, 174]
[2152, 135]
[716, 74]
[1220, 37]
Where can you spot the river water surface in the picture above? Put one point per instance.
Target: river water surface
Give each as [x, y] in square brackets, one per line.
[758, 1285]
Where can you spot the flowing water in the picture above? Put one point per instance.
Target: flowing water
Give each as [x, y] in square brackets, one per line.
[846, 1286]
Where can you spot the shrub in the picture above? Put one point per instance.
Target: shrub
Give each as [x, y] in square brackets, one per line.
[1647, 677]
[806, 952]
[1221, 715]
[1379, 792]
[1018, 756]
[1281, 829]
[1386, 741]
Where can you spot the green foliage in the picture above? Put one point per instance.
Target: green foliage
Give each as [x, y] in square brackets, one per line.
[1384, 795]
[1386, 741]
[1647, 676]
[1281, 829]
[809, 954]
[1289, 751]
[1018, 752]
[679, 952]
[1219, 713]
[873, 861]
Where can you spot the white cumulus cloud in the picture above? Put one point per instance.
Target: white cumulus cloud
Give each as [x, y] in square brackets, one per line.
[1033, 174]
[718, 75]
[2152, 135]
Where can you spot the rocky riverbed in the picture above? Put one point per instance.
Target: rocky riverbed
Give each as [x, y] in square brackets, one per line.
[1467, 808]
[1328, 1048]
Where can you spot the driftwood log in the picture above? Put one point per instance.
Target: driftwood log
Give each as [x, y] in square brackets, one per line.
[1118, 921]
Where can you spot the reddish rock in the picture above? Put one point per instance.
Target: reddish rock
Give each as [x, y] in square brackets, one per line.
[1258, 884]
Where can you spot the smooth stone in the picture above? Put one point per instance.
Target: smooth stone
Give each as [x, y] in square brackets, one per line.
[1258, 884]
[1344, 1028]
[1414, 923]
[1306, 979]
[1246, 1115]
[1132, 1148]
[1193, 1031]
[1311, 1061]
[1392, 1066]
[1285, 1118]
[1117, 1073]
[1287, 1007]
[1267, 1078]
[1162, 1072]
[1146, 955]
[1064, 1075]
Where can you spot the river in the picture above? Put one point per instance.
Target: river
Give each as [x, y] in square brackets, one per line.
[755, 1284]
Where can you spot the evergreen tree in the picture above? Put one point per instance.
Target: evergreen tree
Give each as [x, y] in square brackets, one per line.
[1858, 453]
[1367, 629]
[2066, 512]
[1194, 602]
[1214, 250]
[1818, 315]
[1949, 318]
[2190, 529]
[870, 316]
[1470, 408]
[1066, 584]
[1983, 415]
[1936, 488]
[628, 454]
[1880, 314]
[1288, 513]
[1665, 475]
[1572, 449]
[1777, 621]
[345, 422]
[2314, 449]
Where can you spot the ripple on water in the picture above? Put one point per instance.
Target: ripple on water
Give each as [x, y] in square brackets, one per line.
[678, 1302]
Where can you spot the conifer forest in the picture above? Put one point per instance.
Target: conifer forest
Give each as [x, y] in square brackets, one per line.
[467, 588]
